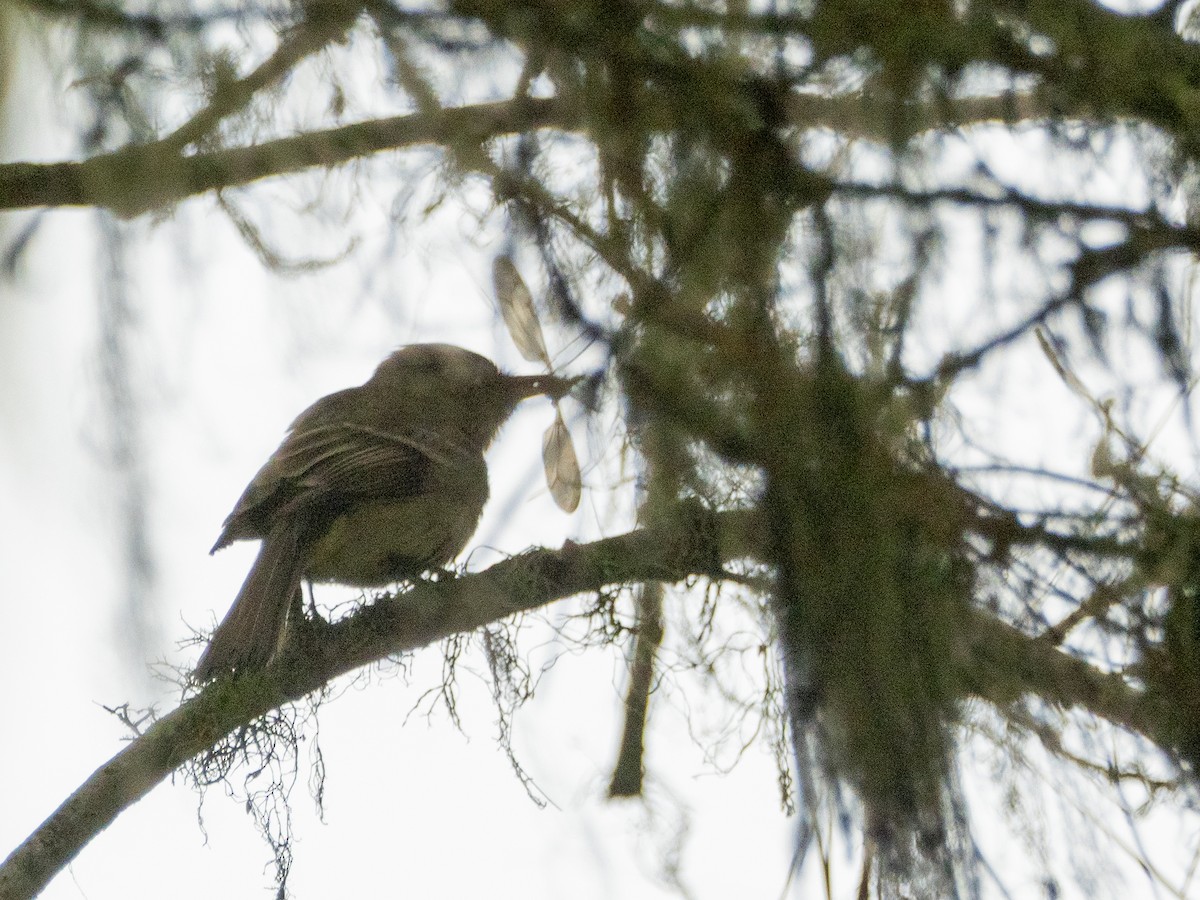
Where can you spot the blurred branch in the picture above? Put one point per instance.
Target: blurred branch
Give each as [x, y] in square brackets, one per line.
[1131, 76]
[1105, 59]
[143, 177]
[666, 467]
[324, 24]
[629, 769]
[151, 25]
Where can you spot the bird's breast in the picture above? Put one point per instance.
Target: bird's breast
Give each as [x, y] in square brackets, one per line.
[380, 543]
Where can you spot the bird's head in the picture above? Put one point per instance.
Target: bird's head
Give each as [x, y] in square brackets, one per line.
[435, 385]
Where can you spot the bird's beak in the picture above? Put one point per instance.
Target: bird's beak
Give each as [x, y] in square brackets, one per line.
[552, 386]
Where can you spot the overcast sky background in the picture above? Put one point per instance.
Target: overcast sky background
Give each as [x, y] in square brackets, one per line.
[225, 355]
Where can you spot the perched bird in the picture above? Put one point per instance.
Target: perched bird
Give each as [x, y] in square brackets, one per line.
[372, 485]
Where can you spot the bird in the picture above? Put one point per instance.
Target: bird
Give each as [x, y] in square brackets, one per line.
[372, 485]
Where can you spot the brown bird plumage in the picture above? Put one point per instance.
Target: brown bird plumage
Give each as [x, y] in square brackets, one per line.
[372, 485]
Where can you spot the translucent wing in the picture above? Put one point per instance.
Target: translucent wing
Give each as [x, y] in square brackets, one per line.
[516, 306]
[562, 466]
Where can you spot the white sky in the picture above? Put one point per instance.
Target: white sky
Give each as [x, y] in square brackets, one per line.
[226, 355]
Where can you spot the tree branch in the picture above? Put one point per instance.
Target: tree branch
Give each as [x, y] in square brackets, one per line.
[1004, 664]
[324, 24]
[140, 178]
[144, 177]
[111, 17]
[416, 618]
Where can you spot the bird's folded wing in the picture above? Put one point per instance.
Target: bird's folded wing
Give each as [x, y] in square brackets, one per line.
[329, 467]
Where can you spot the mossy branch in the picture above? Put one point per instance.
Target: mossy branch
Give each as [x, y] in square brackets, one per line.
[1005, 662]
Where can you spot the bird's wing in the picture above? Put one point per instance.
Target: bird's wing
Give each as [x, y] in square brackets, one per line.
[326, 468]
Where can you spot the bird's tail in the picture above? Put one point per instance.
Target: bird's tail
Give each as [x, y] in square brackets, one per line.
[252, 630]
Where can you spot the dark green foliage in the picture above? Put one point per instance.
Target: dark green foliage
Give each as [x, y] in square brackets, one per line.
[874, 593]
